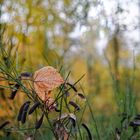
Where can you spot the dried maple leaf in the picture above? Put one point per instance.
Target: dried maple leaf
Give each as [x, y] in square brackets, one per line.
[45, 80]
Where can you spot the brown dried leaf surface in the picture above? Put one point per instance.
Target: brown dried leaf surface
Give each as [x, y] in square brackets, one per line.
[45, 80]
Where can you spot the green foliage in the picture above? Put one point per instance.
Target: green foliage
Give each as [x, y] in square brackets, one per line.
[37, 33]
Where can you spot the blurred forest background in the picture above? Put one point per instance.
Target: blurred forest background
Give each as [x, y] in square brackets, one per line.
[98, 38]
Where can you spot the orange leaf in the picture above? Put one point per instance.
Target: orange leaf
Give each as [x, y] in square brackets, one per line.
[45, 80]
